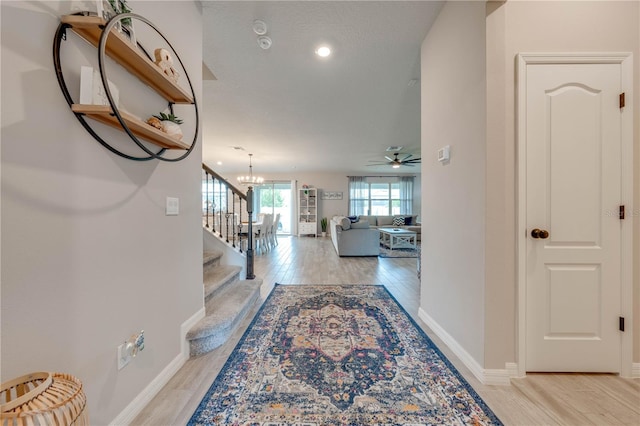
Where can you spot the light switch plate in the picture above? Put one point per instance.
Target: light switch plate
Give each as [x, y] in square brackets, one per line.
[443, 153]
[172, 207]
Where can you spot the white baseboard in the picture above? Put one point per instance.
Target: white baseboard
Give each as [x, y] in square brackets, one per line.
[635, 370]
[485, 376]
[136, 406]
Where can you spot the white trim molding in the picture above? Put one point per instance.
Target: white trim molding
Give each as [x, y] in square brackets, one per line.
[500, 377]
[136, 406]
[635, 370]
[625, 60]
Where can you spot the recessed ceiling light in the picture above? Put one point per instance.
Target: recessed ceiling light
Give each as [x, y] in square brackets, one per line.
[219, 163]
[323, 51]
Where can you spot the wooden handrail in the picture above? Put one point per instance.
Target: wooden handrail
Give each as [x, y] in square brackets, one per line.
[248, 201]
[235, 190]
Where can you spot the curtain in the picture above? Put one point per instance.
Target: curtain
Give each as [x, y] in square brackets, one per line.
[358, 196]
[406, 194]
[294, 207]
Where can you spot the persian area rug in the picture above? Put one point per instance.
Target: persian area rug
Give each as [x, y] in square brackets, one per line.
[338, 355]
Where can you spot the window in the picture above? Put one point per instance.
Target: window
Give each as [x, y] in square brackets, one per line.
[381, 198]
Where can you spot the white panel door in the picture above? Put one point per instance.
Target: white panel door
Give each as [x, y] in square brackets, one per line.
[573, 184]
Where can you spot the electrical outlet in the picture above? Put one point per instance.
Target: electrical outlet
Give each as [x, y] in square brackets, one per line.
[124, 355]
[129, 349]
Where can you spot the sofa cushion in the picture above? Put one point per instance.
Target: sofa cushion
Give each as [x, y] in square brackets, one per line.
[370, 219]
[385, 220]
[361, 224]
[398, 221]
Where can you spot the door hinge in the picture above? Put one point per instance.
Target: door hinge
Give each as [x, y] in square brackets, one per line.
[621, 323]
[621, 212]
[622, 100]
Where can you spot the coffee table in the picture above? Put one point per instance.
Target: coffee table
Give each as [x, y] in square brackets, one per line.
[394, 238]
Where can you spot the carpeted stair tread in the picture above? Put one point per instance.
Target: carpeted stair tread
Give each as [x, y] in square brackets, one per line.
[211, 257]
[215, 279]
[224, 313]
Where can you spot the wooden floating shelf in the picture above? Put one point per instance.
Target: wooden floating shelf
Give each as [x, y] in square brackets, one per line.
[120, 49]
[105, 115]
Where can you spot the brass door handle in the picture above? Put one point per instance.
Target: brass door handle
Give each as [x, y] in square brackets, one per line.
[539, 233]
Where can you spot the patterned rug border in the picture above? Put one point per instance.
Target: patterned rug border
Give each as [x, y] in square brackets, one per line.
[227, 365]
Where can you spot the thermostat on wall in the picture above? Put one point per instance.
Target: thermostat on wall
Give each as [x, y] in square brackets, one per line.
[443, 154]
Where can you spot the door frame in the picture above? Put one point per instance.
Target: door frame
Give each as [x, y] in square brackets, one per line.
[625, 59]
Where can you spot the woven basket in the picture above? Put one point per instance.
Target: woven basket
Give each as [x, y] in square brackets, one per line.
[43, 399]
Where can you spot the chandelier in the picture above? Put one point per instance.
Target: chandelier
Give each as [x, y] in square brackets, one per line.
[250, 180]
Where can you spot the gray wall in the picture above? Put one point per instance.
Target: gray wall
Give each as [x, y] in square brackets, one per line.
[88, 255]
[453, 205]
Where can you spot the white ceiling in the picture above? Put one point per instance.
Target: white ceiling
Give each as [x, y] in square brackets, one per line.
[296, 111]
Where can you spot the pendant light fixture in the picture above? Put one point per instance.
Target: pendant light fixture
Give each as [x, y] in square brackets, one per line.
[250, 180]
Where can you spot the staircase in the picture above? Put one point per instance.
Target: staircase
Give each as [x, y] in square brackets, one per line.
[227, 301]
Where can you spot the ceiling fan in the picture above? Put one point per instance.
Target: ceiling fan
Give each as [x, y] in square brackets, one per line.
[396, 162]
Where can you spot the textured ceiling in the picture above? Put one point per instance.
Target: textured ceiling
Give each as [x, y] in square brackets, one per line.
[296, 111]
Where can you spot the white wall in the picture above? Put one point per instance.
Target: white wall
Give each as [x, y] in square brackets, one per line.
[89, 257]
[539, 26]
[453, 203]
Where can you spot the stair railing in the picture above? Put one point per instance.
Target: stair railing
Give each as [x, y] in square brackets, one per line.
[226, 213]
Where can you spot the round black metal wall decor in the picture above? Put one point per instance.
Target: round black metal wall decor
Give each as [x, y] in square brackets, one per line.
[60, 35]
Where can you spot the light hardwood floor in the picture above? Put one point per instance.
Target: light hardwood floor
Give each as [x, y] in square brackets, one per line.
[538, 399]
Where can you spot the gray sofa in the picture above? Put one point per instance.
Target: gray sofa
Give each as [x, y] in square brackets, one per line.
[358, 240]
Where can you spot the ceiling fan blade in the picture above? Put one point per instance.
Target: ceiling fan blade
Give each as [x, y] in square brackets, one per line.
[414, 160]
[407, 157]
[389, 158]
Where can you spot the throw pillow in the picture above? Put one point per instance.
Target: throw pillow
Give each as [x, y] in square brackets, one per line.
[345, 223]
[353, 219]
[408, 220]
[398, 221]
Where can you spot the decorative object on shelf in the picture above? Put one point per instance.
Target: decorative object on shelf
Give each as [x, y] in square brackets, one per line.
[92, 90]
[323, 226]
[332, 195]
[104, 35]
[170, 124]
[105, 9]
[250, 180]
[165, 62]
[120, 6]
[153, 121]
